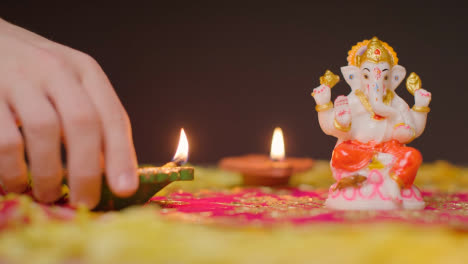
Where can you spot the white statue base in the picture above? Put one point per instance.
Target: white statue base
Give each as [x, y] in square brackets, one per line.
[377, 192]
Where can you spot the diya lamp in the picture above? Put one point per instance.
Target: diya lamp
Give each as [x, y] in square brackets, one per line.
[260, 169]
[152, 180]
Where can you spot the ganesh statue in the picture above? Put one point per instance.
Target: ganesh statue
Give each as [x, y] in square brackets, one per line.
[372, 166]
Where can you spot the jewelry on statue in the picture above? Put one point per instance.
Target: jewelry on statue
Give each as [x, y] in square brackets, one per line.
[329, 79]
[365, 102]
[413, 83]
[342, 128]
[375, 51]
[412, 129]
[324, 107]
[421, 109]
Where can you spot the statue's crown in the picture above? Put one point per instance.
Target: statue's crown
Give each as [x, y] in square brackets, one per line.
[373, 50]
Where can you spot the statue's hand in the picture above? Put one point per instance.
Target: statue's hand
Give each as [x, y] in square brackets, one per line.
[403, 133]
[322, 94]
[342, 112]
[422, 98]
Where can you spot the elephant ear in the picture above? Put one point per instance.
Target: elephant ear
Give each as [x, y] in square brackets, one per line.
[352, 76]
[398, 74]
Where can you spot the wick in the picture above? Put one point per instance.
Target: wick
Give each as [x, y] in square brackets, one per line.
[276, 159]
[175, 163]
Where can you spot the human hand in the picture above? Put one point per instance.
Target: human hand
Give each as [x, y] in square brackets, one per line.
[55, 91]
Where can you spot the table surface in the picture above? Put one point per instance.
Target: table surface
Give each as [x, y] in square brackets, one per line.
[215, 219]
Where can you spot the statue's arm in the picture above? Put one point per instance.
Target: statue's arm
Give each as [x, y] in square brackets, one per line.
[334, 120]
[414, 120]
[419, 111]
[404, 128]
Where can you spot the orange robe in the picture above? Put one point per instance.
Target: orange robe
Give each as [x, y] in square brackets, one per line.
[353, 155]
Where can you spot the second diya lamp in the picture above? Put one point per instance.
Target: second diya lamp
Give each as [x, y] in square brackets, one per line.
[257, 169]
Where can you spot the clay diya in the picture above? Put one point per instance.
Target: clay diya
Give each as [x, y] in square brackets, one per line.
[262, 170]
[152, 180]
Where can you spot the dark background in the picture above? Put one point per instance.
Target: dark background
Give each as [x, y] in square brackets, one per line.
[230, 72]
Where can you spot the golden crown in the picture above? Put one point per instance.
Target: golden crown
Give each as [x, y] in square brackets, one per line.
[372, 50]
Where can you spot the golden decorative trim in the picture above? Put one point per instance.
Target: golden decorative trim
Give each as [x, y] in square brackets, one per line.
[399, 124]
[363, 98]
[375, 51]
[375, 164]
[365, 102]
[404, 124]
[340, 127]
[354, 181]
[329, 79]
[413, 83]
[324, 107]
[394, 177]
[388, 97]
[421, 109]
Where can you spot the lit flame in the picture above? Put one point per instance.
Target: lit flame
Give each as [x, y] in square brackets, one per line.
[277, 145]
[181, 155]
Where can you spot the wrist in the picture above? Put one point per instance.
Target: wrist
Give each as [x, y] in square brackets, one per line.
[421, 109]
[324, 107]
[339, 127]
[405, 138]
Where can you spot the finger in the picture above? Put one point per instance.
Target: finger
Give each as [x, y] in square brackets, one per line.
[42, 135]
[120, 157]
[82, 136]
[13, 172]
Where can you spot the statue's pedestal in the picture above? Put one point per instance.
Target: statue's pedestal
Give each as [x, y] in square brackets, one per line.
[378, 192]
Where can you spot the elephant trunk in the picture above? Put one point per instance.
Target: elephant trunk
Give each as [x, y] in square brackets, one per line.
[376, 94]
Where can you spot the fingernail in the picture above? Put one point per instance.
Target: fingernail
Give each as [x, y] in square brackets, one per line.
[88, 197]
[83, 201]
[14, 186]
[127, 182]
[48, 195]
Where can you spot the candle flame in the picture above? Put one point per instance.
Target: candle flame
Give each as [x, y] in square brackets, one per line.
[181, 155]
[277, 145]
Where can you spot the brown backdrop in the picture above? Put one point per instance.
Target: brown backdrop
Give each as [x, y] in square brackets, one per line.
[230, 73]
